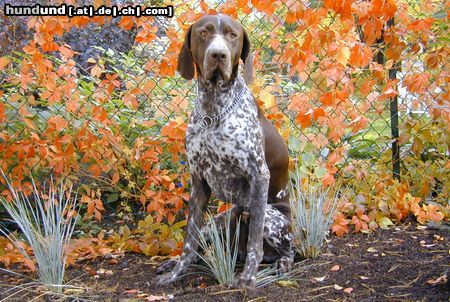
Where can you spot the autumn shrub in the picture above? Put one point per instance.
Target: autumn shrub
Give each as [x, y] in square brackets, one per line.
[97, 135]
[425, 157]
[313, 209]
[149, 237]
[380, 201]
[113, 118]
[47, 222]
[11, 256]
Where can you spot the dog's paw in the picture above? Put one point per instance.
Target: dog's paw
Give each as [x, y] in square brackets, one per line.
[166, 266]
[284, 264]
[165, 279]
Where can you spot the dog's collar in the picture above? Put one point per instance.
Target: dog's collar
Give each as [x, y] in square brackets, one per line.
[207, 121]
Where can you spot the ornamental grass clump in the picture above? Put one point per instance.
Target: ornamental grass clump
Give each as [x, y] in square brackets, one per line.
[47, 221]
[218, 249]
[313, 208]
[218, 252]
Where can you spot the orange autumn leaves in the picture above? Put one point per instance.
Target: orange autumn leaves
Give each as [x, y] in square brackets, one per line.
[362, 217]
[330, 50]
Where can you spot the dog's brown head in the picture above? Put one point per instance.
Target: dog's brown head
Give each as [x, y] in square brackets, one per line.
[213, 46]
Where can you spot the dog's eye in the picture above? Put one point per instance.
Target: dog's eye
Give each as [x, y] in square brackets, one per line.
[203, 33]
[233, 35]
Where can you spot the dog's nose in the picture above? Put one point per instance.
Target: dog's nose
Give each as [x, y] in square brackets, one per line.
[218, 54]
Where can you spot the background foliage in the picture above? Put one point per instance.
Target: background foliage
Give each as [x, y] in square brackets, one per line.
[97, 101]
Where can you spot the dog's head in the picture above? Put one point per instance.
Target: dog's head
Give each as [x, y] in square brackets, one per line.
[213, 45]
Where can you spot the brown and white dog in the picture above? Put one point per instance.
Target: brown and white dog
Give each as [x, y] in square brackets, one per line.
[233, 150]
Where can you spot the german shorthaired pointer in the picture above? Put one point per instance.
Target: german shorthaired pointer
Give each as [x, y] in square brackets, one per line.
[233, 151]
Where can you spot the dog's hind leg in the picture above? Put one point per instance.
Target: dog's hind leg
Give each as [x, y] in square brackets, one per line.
[278, 239]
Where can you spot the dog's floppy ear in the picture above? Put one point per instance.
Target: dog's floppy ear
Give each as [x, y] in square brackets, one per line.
[247, 58]
[185, 63]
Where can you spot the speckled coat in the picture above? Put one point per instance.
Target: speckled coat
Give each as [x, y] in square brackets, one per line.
[227, 141]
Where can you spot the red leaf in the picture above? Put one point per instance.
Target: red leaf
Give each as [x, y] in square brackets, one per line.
[327, 99]
[4, 62]
[340, 226]
[421, 25]
[335, 268]
[440, 280]
[304, 119]
[348, 290]
[318, 113]
[115, 178]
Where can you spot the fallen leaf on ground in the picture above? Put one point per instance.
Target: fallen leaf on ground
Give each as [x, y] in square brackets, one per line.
[335, 268]
[155, 298]
[320, 279]
[440, 280]
[348, 290]
[91, 271]
[288, 283]
[438, 238]
[73, 291]
[103, 271]
[337, 287]
[363, 277]
[423, 243]
[372, 250]
[131, 291]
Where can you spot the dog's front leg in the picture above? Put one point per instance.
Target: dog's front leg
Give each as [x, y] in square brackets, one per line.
[259, 186]
[198, 202]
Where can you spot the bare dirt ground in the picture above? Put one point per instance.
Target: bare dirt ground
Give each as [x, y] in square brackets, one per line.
[406, 263]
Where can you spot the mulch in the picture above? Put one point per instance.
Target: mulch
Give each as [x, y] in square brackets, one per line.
[407, 263]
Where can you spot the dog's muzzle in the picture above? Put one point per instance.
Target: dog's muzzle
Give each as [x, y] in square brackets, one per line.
[217, 61]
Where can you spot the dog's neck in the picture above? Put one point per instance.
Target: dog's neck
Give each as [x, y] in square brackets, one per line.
[215, 96]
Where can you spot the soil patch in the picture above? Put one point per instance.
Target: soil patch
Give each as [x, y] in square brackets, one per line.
[386, 265]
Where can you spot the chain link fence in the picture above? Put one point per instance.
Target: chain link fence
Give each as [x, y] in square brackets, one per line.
[359, 90]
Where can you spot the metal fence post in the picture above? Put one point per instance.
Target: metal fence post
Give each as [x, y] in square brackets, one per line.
[393, 104]
[394, 130]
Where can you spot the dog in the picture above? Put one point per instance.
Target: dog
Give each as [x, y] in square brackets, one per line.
[233, 151]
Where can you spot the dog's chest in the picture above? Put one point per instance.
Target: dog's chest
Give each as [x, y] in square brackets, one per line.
[224, 154]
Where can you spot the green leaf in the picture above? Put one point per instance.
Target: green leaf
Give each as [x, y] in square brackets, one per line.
[151, 249]
[179, 224]
[149, 219]
[146, 223]
[302, 171]
[294, 143]
[308, 159]
[320, 172]
[164, 231]
[110, 52]
[309, 147]
[112, 197]
[385, 222]
[125, 231]
[440, 14]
